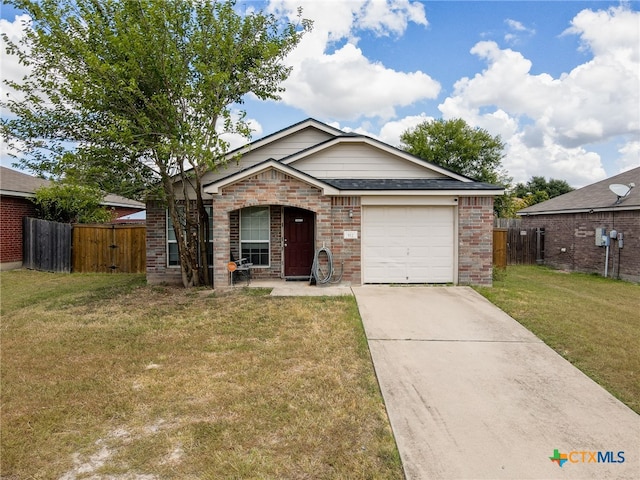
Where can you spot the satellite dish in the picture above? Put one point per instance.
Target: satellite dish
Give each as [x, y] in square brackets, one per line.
[619, 189]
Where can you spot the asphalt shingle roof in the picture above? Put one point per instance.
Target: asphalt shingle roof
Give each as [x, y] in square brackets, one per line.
[15, 183]
[408, 184]
[596, 196]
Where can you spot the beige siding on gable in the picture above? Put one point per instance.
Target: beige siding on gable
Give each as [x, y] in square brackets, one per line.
[361, 161]
[278, 149]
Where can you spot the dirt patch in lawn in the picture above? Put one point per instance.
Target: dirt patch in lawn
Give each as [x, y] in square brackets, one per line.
[127, 381]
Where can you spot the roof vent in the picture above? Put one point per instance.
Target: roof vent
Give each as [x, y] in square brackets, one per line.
[621, 190]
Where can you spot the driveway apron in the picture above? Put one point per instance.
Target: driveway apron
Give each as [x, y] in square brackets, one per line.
[471, 394]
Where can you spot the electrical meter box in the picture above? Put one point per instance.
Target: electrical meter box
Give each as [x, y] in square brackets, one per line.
[601, 235]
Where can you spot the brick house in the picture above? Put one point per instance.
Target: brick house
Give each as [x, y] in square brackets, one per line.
[574, 222]
[16, 190]
[385, 215]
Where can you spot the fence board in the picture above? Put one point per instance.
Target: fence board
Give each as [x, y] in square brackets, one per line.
[518, 246]
[46, 245]
[500, 247]
[109, 248]
[523, 246]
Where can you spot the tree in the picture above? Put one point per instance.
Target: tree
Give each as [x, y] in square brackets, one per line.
[538, 190]
[453, 144]
[144, 84]
[69, 203]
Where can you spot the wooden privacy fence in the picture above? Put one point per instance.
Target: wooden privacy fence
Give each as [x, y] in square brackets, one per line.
[109, 248]
[60, 247]
[46, 245]
[518, 246]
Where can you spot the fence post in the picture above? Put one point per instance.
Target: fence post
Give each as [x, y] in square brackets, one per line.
[539, 251]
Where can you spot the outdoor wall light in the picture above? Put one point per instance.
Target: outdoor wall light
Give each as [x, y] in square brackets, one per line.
[350, 213]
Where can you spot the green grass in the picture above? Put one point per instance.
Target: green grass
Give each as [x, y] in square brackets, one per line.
[593, 322]
[104, 375]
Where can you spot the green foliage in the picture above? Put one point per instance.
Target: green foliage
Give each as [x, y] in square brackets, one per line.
[455, 145]
[472, 152]
[68, 203]
[141, 90]
[538, 190]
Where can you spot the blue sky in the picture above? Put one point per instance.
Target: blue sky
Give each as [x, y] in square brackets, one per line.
[559, 81]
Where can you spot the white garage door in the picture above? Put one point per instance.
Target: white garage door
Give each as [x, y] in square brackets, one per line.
[407, 244]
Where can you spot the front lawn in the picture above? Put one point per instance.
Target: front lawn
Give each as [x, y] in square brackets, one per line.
[593, 322]
[105, 377]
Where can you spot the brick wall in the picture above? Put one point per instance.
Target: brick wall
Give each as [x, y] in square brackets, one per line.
[267, 188]
[333, 215]
[12, 211]
[569, 242]
[123, 211]
[475, 240]
[157, 269]
[346, 215]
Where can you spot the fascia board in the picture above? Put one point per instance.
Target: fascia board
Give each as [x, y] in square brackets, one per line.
[457, 193]
[274, 137]
[11, 193]
[579, 210]
[215, 187]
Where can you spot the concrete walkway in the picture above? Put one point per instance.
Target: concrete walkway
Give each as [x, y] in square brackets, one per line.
[471, 394]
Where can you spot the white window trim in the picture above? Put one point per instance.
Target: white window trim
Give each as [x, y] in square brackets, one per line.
[166, 230]
[268, 241]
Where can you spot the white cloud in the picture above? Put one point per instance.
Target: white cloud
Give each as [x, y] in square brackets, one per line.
[11, 70]
[548, 123]
[390, 133]
[629, 156]
[344, 84]
[517, 30]
[10, 67]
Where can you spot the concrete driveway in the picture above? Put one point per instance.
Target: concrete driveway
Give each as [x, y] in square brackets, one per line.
[471, 394]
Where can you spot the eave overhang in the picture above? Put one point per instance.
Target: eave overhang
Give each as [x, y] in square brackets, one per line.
[215, 188]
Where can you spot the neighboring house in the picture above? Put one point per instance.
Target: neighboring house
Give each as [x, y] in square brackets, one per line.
[574, 223]
[16, 191]
[386, 216]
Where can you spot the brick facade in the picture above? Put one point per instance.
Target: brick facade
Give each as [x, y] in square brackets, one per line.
[12, 211]
[570, 242]
[475, 240]
[267, 188]
[333, 216]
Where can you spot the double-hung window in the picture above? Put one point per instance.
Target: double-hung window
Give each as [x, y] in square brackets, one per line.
[173, 258]
[255, 235]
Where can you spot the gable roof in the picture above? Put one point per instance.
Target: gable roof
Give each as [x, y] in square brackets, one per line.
[214, 187]
[290, 130]
[362, 139]
[450, 184]
[17, 184]
[595, 197]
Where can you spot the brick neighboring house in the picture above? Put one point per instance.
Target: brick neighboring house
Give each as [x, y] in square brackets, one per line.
[386, 216]
[570, 222]
[16, 190]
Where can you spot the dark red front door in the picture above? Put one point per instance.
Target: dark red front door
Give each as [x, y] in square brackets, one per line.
[298, 242]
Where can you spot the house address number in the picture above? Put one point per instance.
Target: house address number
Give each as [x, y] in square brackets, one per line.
[351, 234]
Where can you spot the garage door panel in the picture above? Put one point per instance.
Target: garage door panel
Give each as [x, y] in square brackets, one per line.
[412, 244]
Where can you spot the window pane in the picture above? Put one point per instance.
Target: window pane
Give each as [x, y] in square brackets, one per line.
[256, 252]
[254, 235]
[174, 258]
[254, 223]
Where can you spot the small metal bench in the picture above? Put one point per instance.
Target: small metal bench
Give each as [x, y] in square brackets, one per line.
[239, 269]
